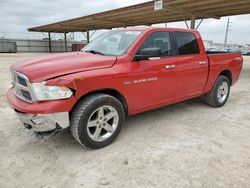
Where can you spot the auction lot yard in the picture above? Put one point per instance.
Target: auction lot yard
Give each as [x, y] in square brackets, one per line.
[188, 144]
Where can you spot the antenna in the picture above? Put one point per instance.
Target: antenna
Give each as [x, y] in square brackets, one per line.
[227, 30]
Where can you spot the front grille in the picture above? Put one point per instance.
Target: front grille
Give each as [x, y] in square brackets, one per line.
[22, 86]
[22, 81]
[26, 95]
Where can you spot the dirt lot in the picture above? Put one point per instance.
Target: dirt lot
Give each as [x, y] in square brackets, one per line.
[184, 145]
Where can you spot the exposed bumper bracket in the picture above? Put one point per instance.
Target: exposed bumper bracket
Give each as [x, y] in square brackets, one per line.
[44, 122]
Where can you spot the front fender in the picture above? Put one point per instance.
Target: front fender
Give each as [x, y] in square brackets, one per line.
[93, 81]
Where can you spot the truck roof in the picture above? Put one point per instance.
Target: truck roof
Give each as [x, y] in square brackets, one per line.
[156, 28]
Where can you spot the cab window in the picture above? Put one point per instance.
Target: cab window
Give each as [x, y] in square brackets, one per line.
[186, 43]
[159, 40]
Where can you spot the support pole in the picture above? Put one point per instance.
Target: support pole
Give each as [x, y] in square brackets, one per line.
[87, 32]
[65, 41]
[92, 33]
[186, 24]
[227, 30]
[199, 24]
[50, 50]
[192, 26]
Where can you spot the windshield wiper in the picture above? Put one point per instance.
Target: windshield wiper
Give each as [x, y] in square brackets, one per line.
[94, 52]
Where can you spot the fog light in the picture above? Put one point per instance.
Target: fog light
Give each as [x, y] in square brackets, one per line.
[40, 121]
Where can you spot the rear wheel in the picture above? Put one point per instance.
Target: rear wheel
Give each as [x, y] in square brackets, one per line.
[219, 94]
[97, 120]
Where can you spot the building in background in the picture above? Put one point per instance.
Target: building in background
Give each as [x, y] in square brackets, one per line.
[36, 45]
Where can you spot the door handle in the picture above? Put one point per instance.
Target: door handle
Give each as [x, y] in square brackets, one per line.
[170, 66]
[202, 62]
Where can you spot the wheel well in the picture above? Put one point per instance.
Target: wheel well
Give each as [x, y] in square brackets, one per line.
[228, 74]
[113, 93]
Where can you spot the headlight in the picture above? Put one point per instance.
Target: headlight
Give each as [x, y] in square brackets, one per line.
[44, 93]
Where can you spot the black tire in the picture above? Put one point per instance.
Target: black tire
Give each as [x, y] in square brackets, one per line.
[82, 113]
[212, 98]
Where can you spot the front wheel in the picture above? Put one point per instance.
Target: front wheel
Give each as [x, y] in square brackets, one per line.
[97, 120]
[219, 94]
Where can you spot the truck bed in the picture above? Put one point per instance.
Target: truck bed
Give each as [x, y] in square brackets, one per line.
[229, 62]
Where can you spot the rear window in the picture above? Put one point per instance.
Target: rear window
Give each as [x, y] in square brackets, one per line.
[186, 43]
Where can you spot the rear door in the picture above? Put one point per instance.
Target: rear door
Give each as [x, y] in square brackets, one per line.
[192, 65]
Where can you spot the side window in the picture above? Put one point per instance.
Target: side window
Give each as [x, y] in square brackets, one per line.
[160, 40]
[186, 43]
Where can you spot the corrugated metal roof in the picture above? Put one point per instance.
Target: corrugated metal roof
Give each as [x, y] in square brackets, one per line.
[145, 14]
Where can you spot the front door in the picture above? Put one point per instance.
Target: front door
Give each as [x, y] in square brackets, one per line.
[154, 80]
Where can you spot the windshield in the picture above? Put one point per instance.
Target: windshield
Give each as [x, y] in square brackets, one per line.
[113, 43]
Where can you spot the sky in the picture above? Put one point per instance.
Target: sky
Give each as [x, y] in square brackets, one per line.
[17, 16]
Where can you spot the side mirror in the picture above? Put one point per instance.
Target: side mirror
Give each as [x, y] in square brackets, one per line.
[147, 53]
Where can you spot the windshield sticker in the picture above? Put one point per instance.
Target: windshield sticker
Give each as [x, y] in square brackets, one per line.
[133, 32]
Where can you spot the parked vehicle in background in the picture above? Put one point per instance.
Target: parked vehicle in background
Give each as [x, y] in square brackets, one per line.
[122, 72]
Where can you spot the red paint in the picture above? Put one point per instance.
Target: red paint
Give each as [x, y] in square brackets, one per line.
[86, 73]
[48, 67]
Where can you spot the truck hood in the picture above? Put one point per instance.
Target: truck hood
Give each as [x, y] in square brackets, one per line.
[56, 65]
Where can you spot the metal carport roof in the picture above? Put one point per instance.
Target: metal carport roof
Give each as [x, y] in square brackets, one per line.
[145, 14]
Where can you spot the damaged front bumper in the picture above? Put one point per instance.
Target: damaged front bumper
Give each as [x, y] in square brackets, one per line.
[44, 122]
[42, 117]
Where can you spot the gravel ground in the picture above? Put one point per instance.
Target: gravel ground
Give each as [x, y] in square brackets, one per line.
[184, 145]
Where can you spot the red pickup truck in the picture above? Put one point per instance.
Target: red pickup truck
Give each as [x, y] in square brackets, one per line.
[122, 72]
